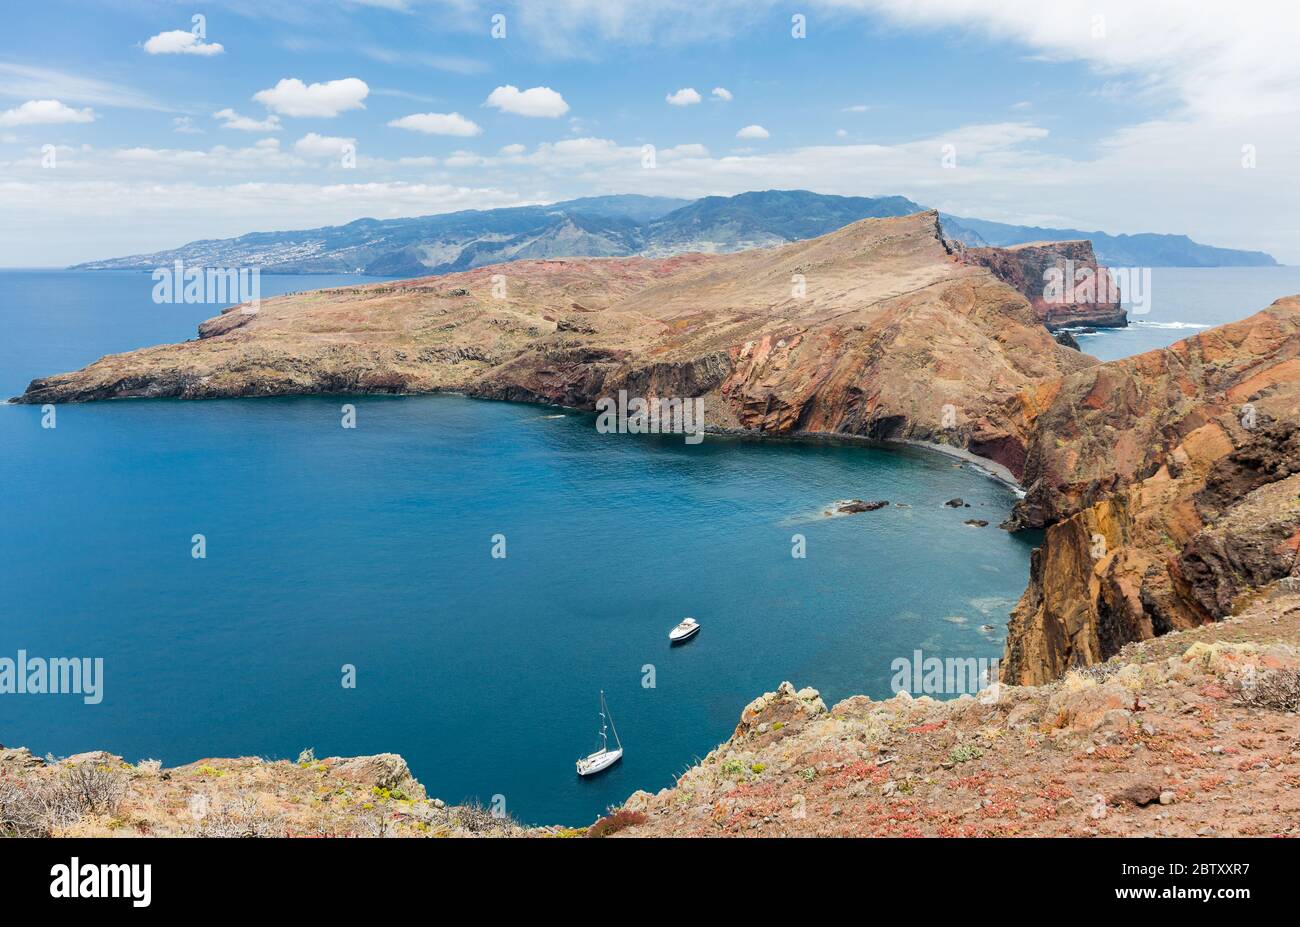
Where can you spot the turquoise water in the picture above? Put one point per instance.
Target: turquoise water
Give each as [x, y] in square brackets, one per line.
[1185, 300]
[372, 547]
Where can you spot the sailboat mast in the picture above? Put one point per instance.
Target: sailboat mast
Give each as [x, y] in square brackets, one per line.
[605, 710]
[604, 741]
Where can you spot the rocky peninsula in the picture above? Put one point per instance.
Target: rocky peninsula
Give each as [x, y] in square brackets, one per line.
[1167, 484]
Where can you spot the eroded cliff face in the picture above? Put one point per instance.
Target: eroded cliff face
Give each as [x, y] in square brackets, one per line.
[875, 330]
[1168, 487]
[1085, 293]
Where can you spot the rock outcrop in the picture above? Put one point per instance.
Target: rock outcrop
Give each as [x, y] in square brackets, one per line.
[101, 795]
[1167, 486]
[1085, 293]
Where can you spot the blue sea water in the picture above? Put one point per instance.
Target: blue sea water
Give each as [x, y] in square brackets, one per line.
[1185, 300]
[372, 547]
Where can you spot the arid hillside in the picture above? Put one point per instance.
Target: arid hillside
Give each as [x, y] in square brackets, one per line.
[878, 329]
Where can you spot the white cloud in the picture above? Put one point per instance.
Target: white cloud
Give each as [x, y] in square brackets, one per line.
[265, 154]
[464, 159]
[232, 120]
[684, 151]
[684, 97]
[44, 112]
[722, 94]
[291, 97]
[180, 42]
[438, 124]
[572, 152]
[1023, 104]
[535, 101]
[511, 150]
[856, 108]
[185, 125]
[313, 145]
[754, 131]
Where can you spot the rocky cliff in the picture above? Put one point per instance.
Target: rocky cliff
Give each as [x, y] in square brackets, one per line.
[875, 330]
[1169, 485]
[1085, 293]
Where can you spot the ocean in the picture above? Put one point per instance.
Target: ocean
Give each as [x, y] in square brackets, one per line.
[372, 548]
[1185, 300]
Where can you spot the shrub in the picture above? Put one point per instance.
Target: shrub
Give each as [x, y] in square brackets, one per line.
[92, 788]
[243, 817]
[615, 822]
[1273, 691]
[733, 769]
[475, 818]
[37, 807]
[31, 809]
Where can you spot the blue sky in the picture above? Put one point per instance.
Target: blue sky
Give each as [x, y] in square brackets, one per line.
[1091, 115]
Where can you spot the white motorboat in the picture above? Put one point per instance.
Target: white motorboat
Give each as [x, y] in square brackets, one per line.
[684, 631]
[603, 758]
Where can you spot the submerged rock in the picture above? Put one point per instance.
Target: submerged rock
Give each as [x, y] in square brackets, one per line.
[857, 505]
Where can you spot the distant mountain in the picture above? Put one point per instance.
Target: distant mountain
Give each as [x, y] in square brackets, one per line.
[624, 225]
[626, 205]
[1142, 250]
[759, 219]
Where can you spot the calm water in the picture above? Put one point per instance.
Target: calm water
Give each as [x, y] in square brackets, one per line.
[1186, 300]
[372, 547]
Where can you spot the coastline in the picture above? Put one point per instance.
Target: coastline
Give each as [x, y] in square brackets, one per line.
[990, 468]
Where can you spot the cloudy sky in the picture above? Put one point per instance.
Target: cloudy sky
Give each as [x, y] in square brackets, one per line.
[132, 126]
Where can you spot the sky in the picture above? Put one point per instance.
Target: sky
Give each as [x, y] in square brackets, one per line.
[129, 127]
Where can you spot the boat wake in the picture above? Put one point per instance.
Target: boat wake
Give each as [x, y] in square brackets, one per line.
[1172, 325]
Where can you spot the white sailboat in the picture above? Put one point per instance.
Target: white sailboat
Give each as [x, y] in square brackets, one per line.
[604, 757]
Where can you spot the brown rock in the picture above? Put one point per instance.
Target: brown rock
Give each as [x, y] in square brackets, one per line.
[1140, 795]
[857, 505]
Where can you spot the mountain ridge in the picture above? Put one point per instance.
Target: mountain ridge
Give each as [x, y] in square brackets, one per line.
[624, 225]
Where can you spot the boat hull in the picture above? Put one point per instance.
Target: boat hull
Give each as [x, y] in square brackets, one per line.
[676, 637]
[599, 761]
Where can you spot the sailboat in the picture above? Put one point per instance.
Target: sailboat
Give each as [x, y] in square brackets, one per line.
[604, 757]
